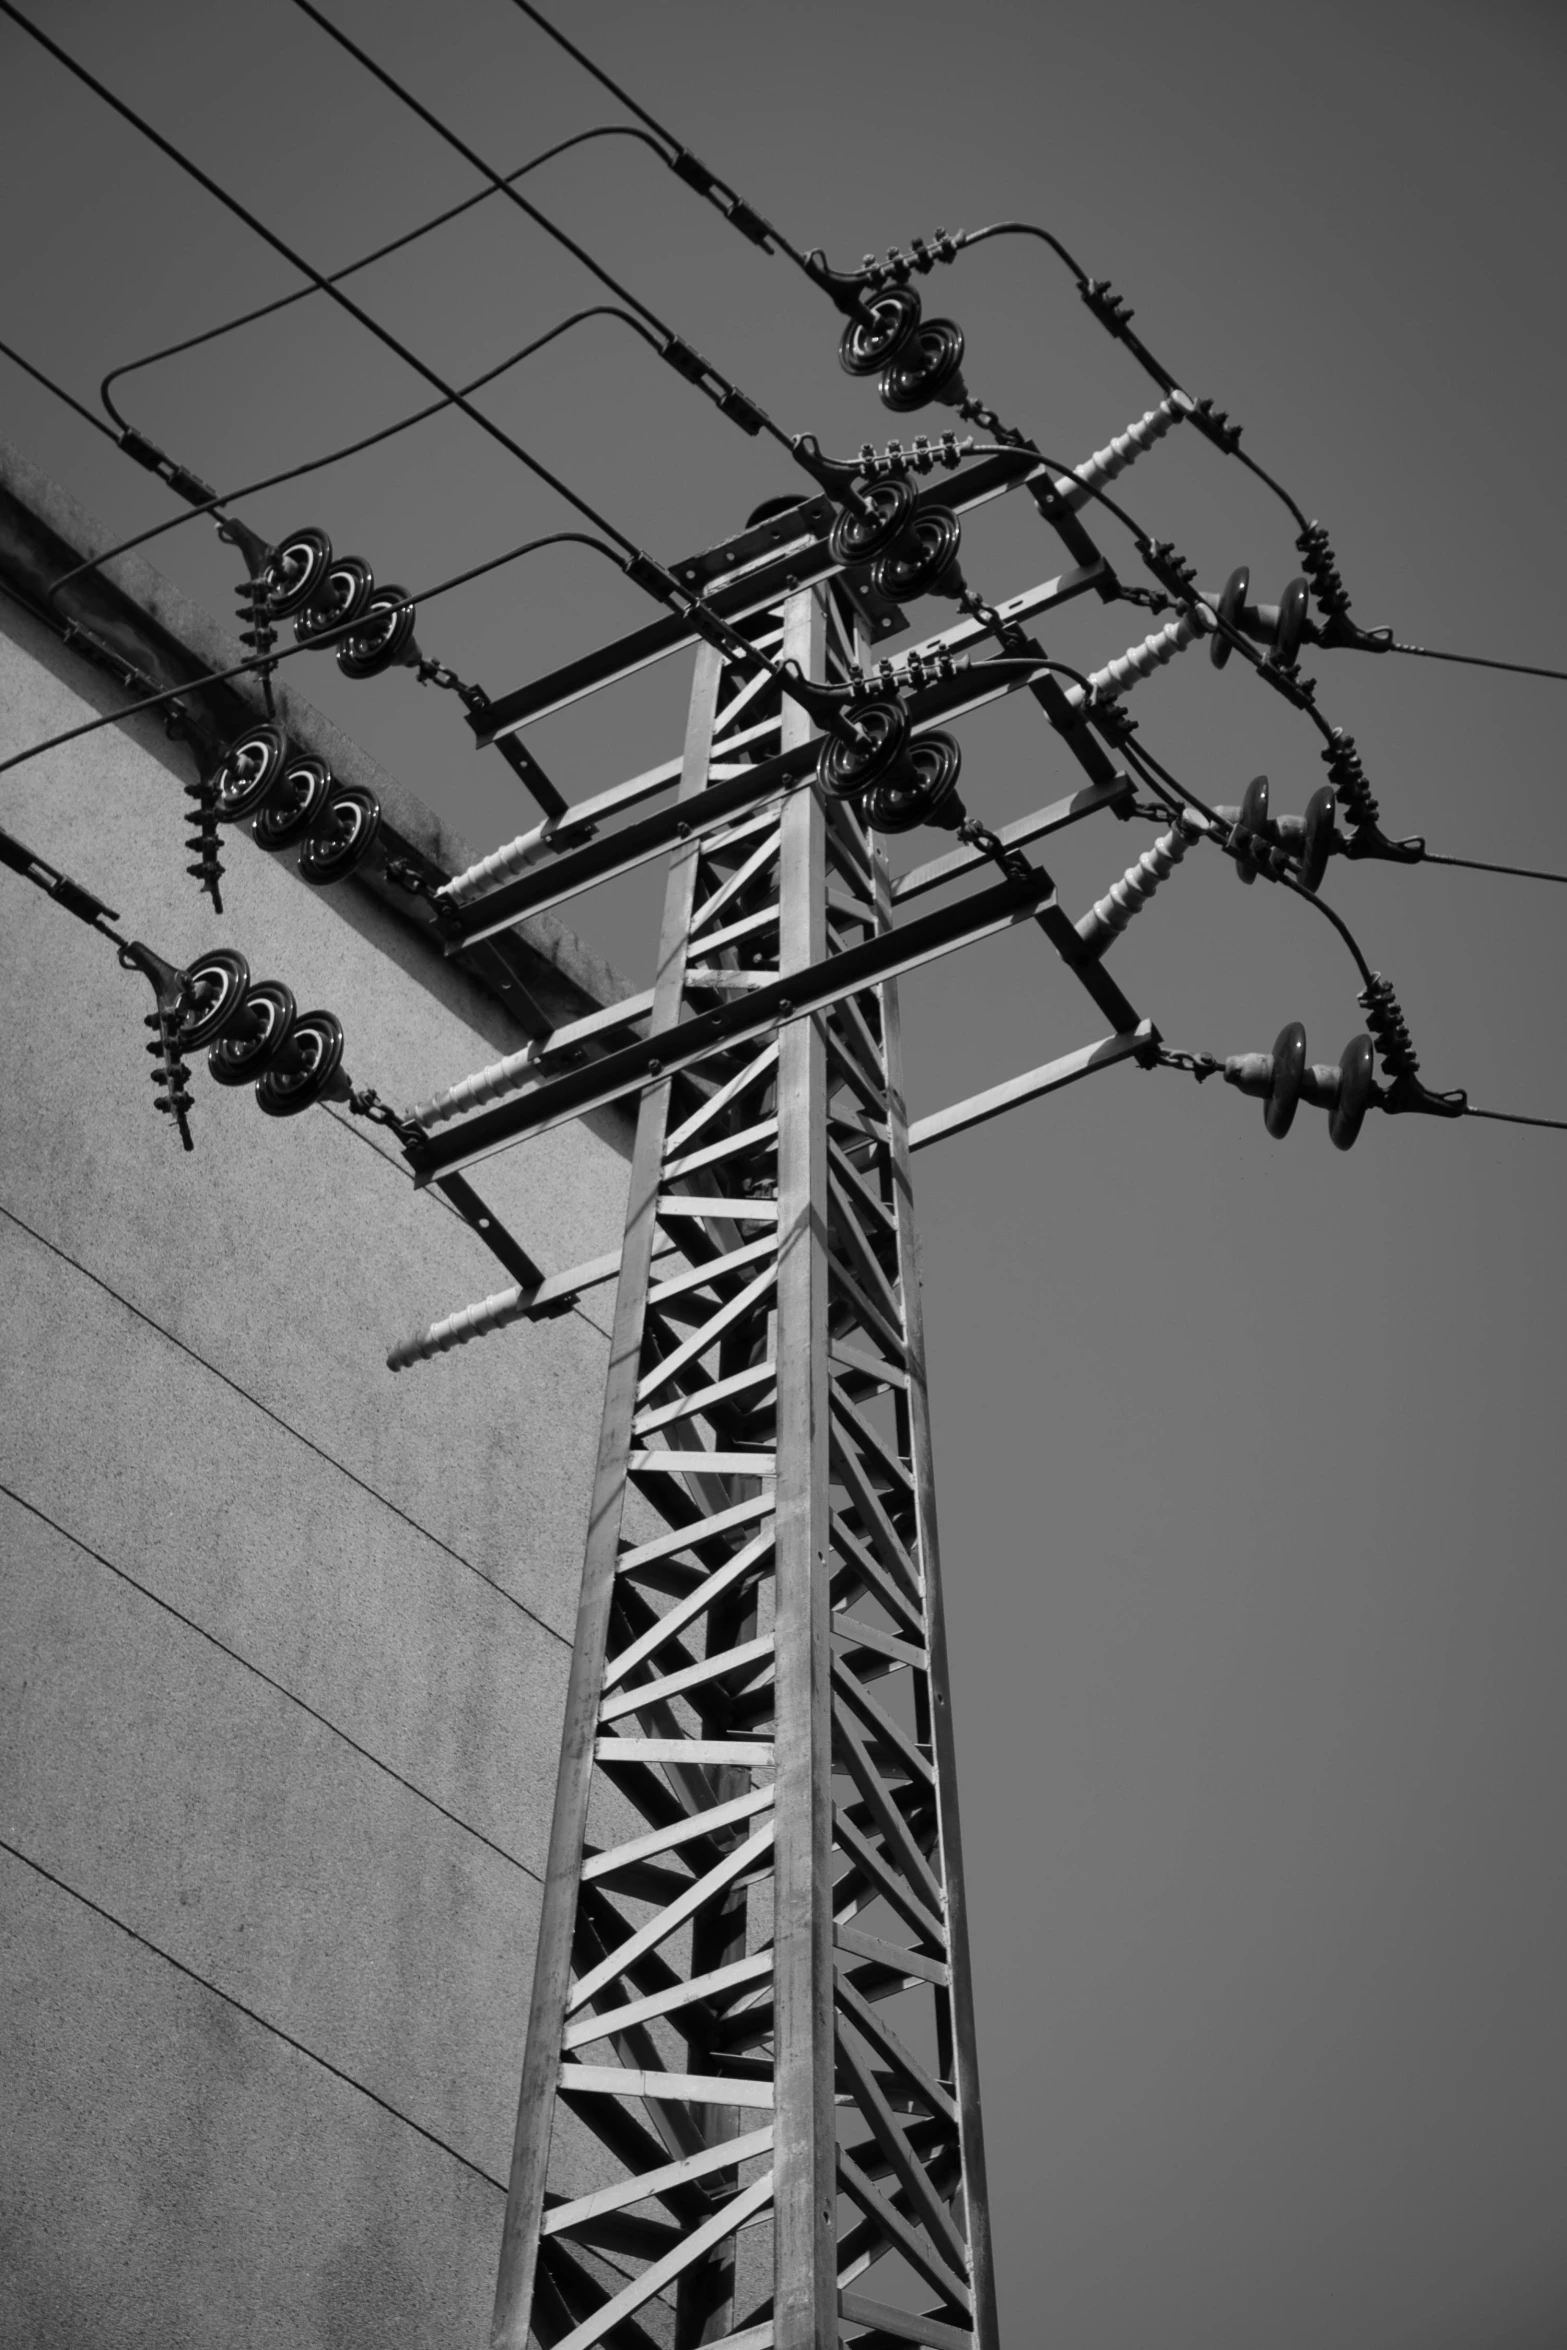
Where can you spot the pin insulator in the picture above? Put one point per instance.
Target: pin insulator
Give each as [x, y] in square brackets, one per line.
[1126, 447]
[1109, 916]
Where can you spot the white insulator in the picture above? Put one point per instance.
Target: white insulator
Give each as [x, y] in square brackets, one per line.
[485, 1085]
[1128, 446]
[500, 865]
[1139, 661]
[491, 1313]
[1131, 893]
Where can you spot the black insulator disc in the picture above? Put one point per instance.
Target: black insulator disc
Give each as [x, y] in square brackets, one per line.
[1289, 1073]
[257, 1034]
[1252, 823]
[303, 1073]
[1228, 608]
[344, 594]
[292, 574]
[924, 790]
[249, 772]
[1321, 836]
[303, 790]
[926, 562]
[884, 329]
[343, 837]
[215, 988]
[851, 762]
[1357, 1089]
[929, 368]
[384, 637]
[1294, 610]
[886, 511]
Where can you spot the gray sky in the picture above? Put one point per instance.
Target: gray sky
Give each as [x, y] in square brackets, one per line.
[1248, 1453]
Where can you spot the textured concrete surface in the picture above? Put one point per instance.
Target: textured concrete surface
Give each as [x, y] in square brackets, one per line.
[193, 2181]
[283, 1637]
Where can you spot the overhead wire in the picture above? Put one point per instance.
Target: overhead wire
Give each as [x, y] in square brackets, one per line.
[59, 392]
[318, 643]
[1106, 306]
[350, 269]
[641, 568]
[1477, 661]
[269, 236]
[1479, 865]
[553, 229]
[372, 440]
[687, 166]
[1516, 1118]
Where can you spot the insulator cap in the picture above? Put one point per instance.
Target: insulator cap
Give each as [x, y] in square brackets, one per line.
[254, 1036]
[930, 367]
[880, 332]
[851, 763]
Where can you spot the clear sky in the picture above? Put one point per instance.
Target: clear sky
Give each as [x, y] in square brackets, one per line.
[1249, 1454]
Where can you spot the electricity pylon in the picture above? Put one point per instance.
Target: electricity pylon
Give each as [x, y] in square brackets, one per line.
[752, 1988]
[749, 2111]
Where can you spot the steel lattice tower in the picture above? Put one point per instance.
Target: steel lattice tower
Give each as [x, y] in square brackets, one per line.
[752, 1985]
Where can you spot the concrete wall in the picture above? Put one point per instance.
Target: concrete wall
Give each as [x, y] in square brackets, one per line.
[283, 1637]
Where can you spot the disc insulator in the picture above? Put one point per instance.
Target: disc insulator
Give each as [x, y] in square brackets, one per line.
[884, 328]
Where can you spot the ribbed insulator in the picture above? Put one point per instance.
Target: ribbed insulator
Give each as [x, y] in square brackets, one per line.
[485, 1085]
[500, 865]
[1131, 893]
[1104, 465]
[491, 1313]
[1139, 661]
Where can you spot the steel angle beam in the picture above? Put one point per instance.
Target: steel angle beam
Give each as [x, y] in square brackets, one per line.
[752, 584]
[1134, 1044]
[958, 862]
[558, 835]
[723, 802]
[846, 973]
[617, 852]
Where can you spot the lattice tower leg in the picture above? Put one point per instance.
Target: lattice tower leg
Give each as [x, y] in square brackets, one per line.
[750, 2104]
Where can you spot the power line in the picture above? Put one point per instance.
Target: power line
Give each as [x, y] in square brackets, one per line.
[349, 448]
[738, 406]
[1516, 1118]
[327, 638]
[640, 567]
[1478, 865]
[59, 392]
[1476, 661]
[269, 236]
[687, 166]
[303, 293]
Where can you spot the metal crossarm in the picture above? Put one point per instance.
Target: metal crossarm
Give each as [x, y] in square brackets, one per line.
[749, 2109]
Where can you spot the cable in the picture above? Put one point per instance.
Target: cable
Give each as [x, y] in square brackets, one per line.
[641, 568]
[324, 285]
[349, 449]
[683, 163]
[1476, 661]
[1476, 865]
[1516, 1118]
[59, 392]
[327, 638]
[303, 293]
[731, 401]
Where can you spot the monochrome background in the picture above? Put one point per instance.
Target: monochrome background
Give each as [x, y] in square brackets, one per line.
[1248, 1455]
